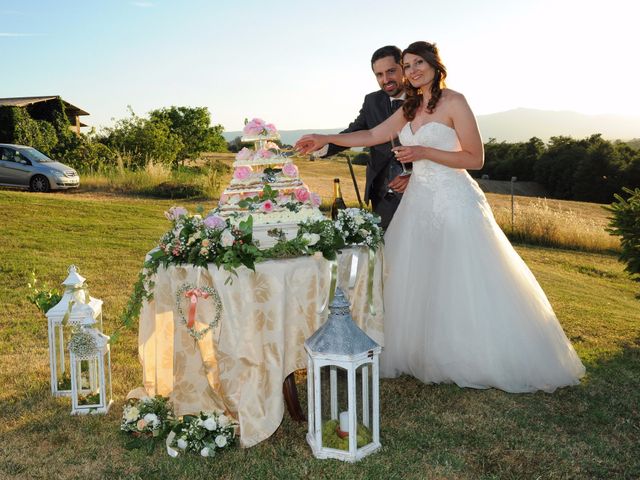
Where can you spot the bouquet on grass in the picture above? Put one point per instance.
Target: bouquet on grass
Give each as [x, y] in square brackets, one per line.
[146, 418]
[203, 434]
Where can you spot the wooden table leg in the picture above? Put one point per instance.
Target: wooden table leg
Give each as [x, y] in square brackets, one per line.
[291, 399]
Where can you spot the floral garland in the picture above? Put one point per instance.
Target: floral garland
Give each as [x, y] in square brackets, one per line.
[209, 291]
[200, 239]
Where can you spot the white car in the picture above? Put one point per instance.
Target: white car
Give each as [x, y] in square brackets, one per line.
[26, 167]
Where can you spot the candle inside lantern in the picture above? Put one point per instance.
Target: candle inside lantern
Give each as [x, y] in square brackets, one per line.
[344, 422]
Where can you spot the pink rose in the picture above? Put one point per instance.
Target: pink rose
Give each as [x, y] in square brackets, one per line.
[254, 127]
[315, 199]
[215, 221]
[270, 128]
[302, 194]
[141, 424]
[267, 206]
[264, 153]
[290, 170]
[242, 173]
[244, 154]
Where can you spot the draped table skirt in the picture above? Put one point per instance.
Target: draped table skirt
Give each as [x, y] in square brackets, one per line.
[239, 365]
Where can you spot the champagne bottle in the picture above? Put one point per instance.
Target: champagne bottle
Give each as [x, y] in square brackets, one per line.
[338, 202]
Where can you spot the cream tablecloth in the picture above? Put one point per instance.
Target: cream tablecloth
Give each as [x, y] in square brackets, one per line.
[240, 366]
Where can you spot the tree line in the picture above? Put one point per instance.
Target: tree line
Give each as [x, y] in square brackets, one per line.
[591, 169]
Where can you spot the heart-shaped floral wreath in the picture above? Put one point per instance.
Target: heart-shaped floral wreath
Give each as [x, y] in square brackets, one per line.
[192, 292]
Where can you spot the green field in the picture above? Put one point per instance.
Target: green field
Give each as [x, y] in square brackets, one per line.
[427, 431]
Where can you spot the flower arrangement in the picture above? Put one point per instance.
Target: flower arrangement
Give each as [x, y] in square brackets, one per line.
[149, 416]
[359, 227]
[257, 127]
[203, 434]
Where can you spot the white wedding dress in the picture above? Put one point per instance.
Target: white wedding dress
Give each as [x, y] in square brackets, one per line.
[460, 304]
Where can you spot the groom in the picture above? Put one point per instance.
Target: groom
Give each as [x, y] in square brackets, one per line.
[383, 187]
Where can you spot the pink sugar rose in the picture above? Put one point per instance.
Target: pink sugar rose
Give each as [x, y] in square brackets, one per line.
[242, 173]
[215, 222]
[267, 206]
[264, 153]
[254, 127]
[315, 199]
[290, 170]
[244, 154]
[302, 194]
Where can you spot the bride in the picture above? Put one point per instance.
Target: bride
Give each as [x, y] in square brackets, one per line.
[460, 304]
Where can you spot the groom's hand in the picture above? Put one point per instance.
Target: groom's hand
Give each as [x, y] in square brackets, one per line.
[399, 184]
[310, 143]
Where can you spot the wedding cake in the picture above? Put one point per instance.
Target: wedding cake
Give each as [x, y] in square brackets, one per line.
[266, 186]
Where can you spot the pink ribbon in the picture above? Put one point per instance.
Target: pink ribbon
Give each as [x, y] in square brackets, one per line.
[193, 295]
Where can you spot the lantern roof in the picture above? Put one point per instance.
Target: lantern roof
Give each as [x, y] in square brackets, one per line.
[340, 335]
[74, 279]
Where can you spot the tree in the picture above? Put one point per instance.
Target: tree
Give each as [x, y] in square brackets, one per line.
[192, 125]
[626, 223]
[140, 140]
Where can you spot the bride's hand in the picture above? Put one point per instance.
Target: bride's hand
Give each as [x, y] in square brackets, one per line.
[406, 154]
[310, 143]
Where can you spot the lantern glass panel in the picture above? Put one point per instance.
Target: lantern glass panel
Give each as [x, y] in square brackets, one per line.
[88, 382]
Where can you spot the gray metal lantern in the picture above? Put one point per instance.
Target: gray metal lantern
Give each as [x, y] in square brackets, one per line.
[347, 426]
[75, 308]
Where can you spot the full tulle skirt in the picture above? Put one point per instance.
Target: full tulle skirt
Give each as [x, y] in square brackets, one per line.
[461, 306]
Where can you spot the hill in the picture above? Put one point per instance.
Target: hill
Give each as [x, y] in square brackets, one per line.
[521, 124]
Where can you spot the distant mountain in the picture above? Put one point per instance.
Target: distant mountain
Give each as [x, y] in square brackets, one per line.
[521, 124]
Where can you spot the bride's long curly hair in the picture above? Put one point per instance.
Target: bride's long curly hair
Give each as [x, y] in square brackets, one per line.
[429, 52]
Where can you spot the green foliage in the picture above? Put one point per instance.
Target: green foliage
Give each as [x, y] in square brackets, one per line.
[626, 223]
[192, 125]
[143, 141]
[16, 126]
[42, 297]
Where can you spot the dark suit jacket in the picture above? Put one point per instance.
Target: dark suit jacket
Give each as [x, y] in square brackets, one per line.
[376, 108]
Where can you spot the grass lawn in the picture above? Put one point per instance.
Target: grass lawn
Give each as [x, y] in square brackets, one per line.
[427, 431]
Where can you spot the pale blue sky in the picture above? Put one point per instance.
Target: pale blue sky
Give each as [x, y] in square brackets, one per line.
[305, 64]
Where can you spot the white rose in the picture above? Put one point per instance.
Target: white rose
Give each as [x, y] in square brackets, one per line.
[363, 232]
[151, 418]
[227, 238]
[223, 421]
[131, 414]
[359, 220]
[311, 238]
[205, 452]
[182, 443]
[221, 441]
[210, 424]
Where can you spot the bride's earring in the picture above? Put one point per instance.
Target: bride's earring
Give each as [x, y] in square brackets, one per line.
[419, 92]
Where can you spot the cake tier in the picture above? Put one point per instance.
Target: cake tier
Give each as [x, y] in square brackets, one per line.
[257, 160]
[260, 138]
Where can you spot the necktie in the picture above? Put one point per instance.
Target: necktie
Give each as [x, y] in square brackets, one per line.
[395, 105]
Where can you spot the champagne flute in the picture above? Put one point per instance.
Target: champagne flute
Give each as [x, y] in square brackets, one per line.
[407, 168]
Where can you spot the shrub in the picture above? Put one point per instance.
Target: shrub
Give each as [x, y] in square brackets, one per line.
[626, 223]
[361, 159]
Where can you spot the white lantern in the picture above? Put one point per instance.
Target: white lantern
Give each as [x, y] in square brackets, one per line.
[344, 423]
[90, 358]
[76, 308]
